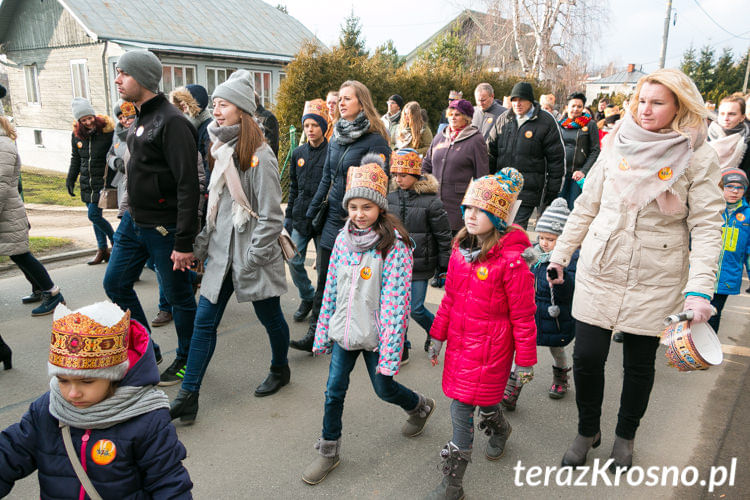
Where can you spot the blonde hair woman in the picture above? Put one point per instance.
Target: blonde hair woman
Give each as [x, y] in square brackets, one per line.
[411, 121]
[357, 132]
[649, 226]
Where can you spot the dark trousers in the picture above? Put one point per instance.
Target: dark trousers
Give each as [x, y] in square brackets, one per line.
[324, 257]
[589, 358]
[34, 271]
[718, 302]
[523, 215]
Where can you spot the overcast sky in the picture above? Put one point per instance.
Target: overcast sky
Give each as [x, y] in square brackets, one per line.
[632, 35]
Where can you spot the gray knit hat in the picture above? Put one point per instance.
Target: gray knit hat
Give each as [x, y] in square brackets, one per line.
[554, 218]
[239, 90]
[368, 181]
[82, 107]
[142, 65]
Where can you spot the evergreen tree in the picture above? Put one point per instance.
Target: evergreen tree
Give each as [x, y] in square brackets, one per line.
[448, 50]
[388, 55]
[689, 63]
[704, 72]
[350, 39]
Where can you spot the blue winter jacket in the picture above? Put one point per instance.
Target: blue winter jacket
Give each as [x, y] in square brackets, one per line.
[554, 332]
[735, 249]
[148, 454]
[367, 143]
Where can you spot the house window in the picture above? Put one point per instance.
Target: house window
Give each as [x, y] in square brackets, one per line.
[38, 138]
[31, 75]
[79, 78]
[217, 76]
[173, 76]
[263, 87]
[483, 50]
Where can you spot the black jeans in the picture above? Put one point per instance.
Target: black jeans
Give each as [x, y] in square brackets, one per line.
[523, 215]
[718, 302]
[321, 265]
[590, 356]
[34, 271]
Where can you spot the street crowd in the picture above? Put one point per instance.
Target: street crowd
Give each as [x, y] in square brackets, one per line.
[618, 191]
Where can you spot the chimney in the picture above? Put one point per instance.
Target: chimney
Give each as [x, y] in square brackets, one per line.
[631, 68]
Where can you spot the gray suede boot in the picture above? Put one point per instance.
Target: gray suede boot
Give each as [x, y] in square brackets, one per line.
[453, 467]
[325, 462]
[622, 452]
[495, 425]
[418, 417]
[576, 453]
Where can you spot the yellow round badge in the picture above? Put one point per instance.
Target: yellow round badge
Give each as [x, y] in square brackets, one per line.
[482, 273]
[366, 273]
[585, 129]
[382, 156]
[301, 162]
[254, 161]
[740, 217]
[80, 144]
[116, 145]
[529, 134]
[139, 131]
[665, 173]
[103, 452]
[489, 120]
[623, 165]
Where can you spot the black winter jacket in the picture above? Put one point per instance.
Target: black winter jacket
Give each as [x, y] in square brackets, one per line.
[554, 332]
[305, 173]
[270, 128]
[423, 214]
[536, 150]
[352, 156]
[581, 147]
[163, 187]
[89, 159]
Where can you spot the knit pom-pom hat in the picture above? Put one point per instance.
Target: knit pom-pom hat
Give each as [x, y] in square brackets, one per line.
[554, 218]
[496, 196]
[368, 181]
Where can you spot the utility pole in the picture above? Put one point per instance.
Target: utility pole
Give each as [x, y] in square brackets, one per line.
[747, 71]
[665, 35]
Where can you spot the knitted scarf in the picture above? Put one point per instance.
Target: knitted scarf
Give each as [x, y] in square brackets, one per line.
[730, 145]
[644, 165]
[542, 257]
[581, 121]
[346, 132]
[405, 138]
[359, 240]
[453, 132]
[199, 118]
[126, 403]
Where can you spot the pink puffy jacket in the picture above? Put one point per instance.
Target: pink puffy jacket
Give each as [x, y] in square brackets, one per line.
[486, 315]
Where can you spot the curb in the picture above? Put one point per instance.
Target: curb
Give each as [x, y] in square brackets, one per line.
[56, 257]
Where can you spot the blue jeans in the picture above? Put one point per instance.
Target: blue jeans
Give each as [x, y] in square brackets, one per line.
[297, 265]
[387, 389]
[133, 246]
[207, 320]
[164, 304]
[102, 227]
[418, 311]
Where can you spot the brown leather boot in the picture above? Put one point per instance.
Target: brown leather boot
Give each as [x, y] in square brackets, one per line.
[102, 255]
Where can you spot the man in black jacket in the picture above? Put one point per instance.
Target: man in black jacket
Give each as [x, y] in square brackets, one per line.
[528, 140]
[270, 125]
[163, 191]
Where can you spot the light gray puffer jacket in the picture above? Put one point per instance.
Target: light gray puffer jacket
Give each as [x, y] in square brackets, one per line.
[14, 226]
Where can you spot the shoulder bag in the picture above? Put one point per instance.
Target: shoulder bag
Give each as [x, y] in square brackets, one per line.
[77, 467]
[322, 214]
[107, 196]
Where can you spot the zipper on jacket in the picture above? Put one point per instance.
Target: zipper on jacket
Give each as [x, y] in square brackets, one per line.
[91, 186]
[349, 309]
[84, 444]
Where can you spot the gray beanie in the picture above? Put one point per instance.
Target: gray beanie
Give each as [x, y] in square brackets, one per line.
[142, 65]
[82, 107]
[239, 90]
[554, 218]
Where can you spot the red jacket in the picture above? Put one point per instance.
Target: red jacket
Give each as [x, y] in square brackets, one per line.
[487, 315]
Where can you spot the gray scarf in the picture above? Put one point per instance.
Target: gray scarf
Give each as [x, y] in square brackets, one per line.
[394, 118]
[200, 118]
[542, 257]
[346, 132]
[126, 403]
[359, 240]
[470, 254]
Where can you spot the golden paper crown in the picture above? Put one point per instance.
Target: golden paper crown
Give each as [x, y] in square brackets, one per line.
[316, 107]
[369, 176]
[455, 94]
[495, 194]
[81, 343]
[406, 161]
[127, 109]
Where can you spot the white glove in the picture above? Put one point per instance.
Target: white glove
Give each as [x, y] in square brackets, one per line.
[434, 351]
[701, 307]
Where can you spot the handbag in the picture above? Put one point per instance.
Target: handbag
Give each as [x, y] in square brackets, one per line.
[108, 198]
[319, 220]
[288, 248]
[77, 467]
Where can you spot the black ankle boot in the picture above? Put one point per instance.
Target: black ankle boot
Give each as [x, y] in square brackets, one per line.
[277, 378]
[304, 309]
[306, 342]
[184, 406]
[6, 355]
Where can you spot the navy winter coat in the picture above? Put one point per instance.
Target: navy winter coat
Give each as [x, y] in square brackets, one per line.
[88, 159]
[554, 332]
[148, 455]
[367, 143]
[305, 173]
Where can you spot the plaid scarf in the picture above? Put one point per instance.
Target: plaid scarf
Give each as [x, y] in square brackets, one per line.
[579, 122]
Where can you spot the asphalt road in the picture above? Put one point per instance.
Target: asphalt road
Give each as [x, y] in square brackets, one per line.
[247, 447]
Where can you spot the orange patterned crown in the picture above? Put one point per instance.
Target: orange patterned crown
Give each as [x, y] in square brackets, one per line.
[455, 94]
[81, 343]
[406, 161]
[127, 109]
[369, 176]
[495, 194]
[316, 107]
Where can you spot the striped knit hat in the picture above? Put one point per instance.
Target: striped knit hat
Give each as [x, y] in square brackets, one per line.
[734, 175]
[554, 218]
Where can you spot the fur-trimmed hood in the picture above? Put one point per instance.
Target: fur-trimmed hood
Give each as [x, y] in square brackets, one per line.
[103, 123]
[427, 184]
[182, 95]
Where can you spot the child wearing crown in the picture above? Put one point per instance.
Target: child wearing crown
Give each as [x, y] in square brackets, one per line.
[103, 429]
[486, 316]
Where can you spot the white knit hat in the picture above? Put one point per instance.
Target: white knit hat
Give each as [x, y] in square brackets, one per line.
[554, 218]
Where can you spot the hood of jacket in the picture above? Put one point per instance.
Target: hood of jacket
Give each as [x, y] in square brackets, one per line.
[103, 124]
[183, 96]
[427, 184]
[143, 370]
[463, 135]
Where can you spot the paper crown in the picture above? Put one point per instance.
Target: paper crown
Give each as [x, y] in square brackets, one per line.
[127, 109]
[406, 161]
[315, 107]
[455, 94]
[495, 194]
[92, 338]
[368, 176]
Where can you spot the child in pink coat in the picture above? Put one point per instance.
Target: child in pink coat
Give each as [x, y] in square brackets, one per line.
[487, 317]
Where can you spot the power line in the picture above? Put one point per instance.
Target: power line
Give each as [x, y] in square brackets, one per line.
[717, 24]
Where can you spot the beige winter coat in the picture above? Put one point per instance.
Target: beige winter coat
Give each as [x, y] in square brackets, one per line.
[14, 226]
[634, 267]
